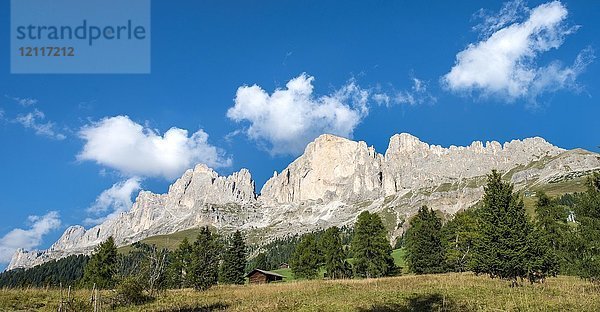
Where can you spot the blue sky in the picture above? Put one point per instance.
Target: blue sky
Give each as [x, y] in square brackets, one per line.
[448, 73]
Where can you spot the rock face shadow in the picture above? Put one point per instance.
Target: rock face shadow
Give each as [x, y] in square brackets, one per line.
[421, 302]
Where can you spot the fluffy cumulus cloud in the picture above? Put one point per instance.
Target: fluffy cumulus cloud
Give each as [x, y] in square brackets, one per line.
[135, 150]
[113, 201]
[289, 118]
[505, 62]
[36, 120]
[28, 238]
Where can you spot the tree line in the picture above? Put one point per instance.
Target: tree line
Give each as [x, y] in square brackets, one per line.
[65, 271]
[368, 254]
[500, 240]
[209, 260]
[271, 255]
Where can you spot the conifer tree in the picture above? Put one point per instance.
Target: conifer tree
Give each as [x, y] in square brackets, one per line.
[261, 262]
[423, 242]
[234, 261]
[587, 216]
[203, 270]
[548, 240]
[306, 259]
[542, 260]
[180, 264]
[551, 218]
[503, 249]
[334, 256]
[100, 269]
[66, 271]
[459, 236]
[370, 248]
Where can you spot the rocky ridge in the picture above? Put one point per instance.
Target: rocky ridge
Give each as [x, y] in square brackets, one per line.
[330, 184]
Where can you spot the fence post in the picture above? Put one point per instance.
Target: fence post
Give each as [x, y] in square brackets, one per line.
[60, 303]
[96, 300]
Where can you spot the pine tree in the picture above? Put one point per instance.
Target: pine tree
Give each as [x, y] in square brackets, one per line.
[261, 262]
[370, 248]
[100, 269]
[551, 219]
[587, 216]
[423, 242]
[234, 261]
[459, 236]
[180, 264]
[542, 260]
[334, 256]
[503, 248]
[203, 269]
[306, 259]
[548, 240]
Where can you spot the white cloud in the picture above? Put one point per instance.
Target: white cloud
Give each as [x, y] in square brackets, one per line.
[416, 95]
[35, 120]
[382, 99]
[504, 63]
[510, 12]
[114, 200]
[29, 238]
[134, 150]
[23, 101]
[290, 118]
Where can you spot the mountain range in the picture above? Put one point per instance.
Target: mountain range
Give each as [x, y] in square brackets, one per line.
[330, 184]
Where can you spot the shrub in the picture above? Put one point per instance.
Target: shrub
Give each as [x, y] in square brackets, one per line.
[131, 291]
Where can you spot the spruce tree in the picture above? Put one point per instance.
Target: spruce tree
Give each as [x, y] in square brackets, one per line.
[306, 259]
[551, 219]
[100, 269]
[370, 248]
[503, 248]
[548, 240]
[459, 236]
[542, 260]
[234, 261]
[587, 216]
[261, 262]
[423, 242]
[334, 256]
[180, 264]
[204, 266]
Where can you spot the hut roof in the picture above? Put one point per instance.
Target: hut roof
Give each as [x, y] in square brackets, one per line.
[264, 272]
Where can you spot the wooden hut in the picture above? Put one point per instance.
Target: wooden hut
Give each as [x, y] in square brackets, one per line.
[258, 276]
[284, 266]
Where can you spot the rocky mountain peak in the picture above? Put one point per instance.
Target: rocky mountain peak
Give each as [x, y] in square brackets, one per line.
[332, 167]
[330, 184]
[405, 142]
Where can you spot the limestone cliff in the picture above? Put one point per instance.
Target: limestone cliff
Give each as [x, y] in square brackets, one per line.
[330, 184]
[330, 168]
[199, 197]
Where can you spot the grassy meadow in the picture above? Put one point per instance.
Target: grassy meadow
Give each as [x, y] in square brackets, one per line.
[442, 292]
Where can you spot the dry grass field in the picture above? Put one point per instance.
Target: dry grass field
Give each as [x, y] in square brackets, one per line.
[444, 292]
